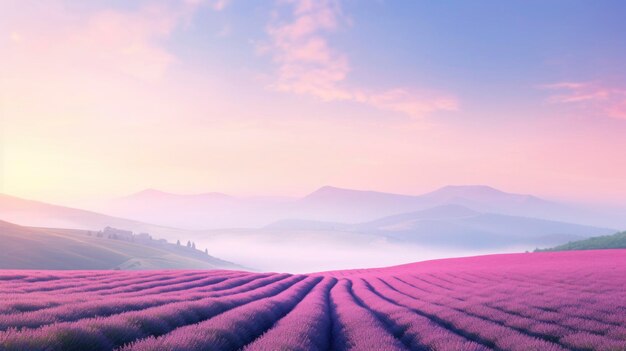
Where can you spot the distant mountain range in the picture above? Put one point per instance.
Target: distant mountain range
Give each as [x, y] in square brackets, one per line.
[197, 211]
[366, 225]
[45, 248]
[332, 204]
[457, 226]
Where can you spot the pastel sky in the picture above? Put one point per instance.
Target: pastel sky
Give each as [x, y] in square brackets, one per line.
[104, 98]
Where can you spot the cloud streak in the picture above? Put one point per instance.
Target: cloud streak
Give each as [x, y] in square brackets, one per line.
[306, 63]
[115, 41]
[589, 96]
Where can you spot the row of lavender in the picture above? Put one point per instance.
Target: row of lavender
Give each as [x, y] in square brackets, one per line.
[543, 301]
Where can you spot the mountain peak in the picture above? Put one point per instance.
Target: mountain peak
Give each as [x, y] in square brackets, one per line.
[469, 188]
[330, 189]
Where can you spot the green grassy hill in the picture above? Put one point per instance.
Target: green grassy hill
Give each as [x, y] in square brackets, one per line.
[43, 248]
[615, 241]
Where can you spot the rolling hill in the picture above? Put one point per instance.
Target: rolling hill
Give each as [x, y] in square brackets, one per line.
[43, 248]
[458, 226]
[39, 214]
[615, 241]
[444, 212]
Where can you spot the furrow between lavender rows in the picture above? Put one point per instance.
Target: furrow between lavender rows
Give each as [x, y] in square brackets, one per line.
[416, 331]
[474, 328]
[232, 329]
[41, 301]
[306, 327]
[472, 297]
[530, 332]
[355, 327]
[114, 331]
[80, 285]
[90, 309]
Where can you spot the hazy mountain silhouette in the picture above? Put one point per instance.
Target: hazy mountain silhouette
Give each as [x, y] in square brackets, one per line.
[482, 230]
[328, 221]
[333, 204]
[444, 212]
[197, 211]
[458, 226]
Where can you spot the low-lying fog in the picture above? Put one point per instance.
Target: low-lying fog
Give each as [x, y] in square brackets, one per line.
[312, 251]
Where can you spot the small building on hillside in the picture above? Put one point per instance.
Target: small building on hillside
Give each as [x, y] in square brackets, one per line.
[119, 234]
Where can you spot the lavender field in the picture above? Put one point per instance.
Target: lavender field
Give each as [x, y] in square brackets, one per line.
[538, 301]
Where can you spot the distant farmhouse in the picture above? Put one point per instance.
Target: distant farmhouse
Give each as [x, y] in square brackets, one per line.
[119, 234]
[144, 238]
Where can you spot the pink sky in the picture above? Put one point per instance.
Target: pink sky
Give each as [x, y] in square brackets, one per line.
[100, 102]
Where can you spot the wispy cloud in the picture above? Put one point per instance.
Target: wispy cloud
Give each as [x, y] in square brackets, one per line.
[130, 42]
[589, 96]
[219, 5]
[307, 64]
